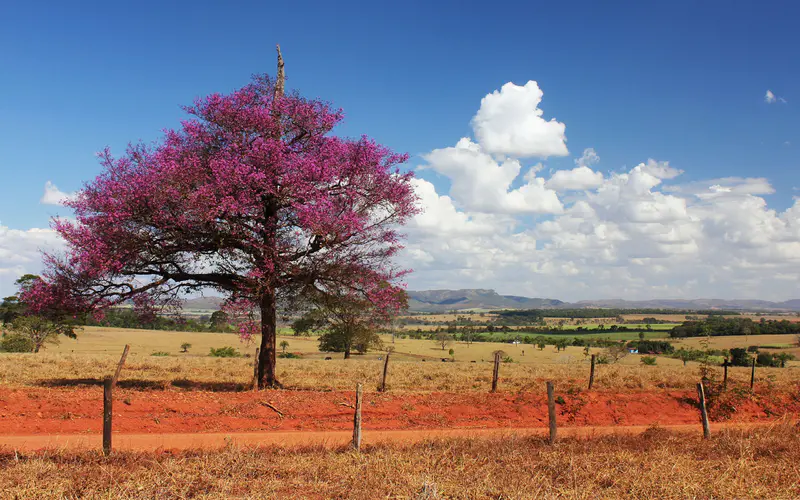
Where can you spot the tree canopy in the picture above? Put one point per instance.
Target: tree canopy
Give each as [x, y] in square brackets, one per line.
[251, 197]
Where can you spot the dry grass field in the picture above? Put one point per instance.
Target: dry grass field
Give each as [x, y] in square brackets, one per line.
[101, 340]
[755, 463]
[51, 369]
[95, 354]
[769, 343]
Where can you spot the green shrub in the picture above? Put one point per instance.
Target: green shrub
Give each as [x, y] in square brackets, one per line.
[767, 359]
[160, 353]
[289, 355]
[15, 342]
[224, 352]
[508, 359]
[648, 360]
[739, 357]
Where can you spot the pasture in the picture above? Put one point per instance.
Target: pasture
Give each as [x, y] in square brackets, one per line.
[416, 364]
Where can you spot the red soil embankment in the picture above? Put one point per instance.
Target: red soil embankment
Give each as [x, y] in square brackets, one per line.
[69, 411]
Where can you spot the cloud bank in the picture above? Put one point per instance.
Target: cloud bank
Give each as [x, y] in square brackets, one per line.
[580, 233]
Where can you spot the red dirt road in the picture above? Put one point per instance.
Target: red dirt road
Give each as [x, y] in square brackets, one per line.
[328, 439]
[68, 411]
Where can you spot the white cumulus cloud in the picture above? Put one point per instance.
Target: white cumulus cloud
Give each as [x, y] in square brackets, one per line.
[482, 184]
[509, 122]
[20, 253]
[54, 196]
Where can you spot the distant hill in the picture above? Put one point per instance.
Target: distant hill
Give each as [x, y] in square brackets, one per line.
[203, 303]
[448, 300]
[479, 298]
[697, 304]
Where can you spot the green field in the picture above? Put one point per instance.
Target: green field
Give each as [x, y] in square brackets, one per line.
[631, 326]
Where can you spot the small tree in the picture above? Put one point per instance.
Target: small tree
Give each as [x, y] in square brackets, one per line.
[686, 355]
[452, 353]
[783, 357]
[9, 309]
[219, 321]
[616, 352]
[443, 339]
[41, 331]
[185, 347]
[739, 357]
[351, 319]
[284, 345]
[561, 344]
[648, 360]
[541, 345]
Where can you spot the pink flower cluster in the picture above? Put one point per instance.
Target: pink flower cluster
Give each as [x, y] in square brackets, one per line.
[251, 196]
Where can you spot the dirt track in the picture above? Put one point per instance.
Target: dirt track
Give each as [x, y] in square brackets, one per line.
[153, 418]
[329, 439]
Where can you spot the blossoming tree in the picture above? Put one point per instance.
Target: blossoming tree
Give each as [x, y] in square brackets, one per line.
[252, 198]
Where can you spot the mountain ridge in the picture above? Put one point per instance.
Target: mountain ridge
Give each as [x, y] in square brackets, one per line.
[441, 300]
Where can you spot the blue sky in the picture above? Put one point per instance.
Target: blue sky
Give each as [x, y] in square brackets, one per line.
[675, 81]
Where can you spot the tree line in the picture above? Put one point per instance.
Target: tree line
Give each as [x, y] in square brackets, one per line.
[534, 314]
[717, 326]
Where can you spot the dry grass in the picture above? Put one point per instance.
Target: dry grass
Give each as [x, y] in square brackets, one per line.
[146, 371]
[744, 341]
[758, 463]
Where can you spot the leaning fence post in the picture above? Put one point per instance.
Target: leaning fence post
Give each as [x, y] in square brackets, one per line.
[551, 411]
[108, 387]
[753, 374]
[120, 365]
[496, 371]
[385, 371]
[701, 393]
[255, 370]
[357, 419]
[591, 373]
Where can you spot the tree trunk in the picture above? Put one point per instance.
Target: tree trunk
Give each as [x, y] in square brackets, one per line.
[347, 353]
[266, 354]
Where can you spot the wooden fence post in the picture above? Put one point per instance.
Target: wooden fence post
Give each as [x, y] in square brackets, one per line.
[591, 373]
[108, 388]
[385, 371]
[725, 375]
[496, 371]
[753, 374]
[120, 365]
[357, 419]
[701, 393]
[551, 411]
[255, 370]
